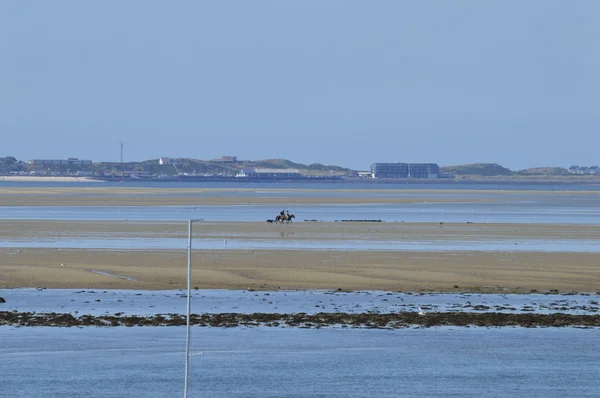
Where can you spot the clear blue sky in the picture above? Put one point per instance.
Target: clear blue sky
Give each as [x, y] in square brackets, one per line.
[339, 82]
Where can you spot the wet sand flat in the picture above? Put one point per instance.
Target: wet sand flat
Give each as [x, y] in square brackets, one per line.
[127, 196]
[127, 190]
[148, 199]
[320, 269]
[286, 269]
[59, 200]
[311, 231]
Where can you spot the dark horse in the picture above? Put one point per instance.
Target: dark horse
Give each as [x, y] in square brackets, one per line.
[284, 219]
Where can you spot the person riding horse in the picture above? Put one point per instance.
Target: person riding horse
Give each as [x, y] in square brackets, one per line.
[284, 216]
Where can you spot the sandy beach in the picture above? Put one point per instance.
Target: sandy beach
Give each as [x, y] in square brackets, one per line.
[45, 179]
[322, 269]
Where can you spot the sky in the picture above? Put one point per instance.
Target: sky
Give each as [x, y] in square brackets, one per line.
[339, 82]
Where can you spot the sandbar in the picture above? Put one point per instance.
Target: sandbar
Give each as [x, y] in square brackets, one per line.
[339, 231]
[130, 196]
[510, 272]
[47, 179]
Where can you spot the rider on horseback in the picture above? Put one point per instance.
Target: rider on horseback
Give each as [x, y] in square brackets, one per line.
[284, 216]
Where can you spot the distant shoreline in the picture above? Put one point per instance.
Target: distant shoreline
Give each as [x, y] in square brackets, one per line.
[375, 181]
[477, 180]
[46, 179]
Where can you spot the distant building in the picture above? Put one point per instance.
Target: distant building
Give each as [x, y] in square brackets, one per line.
[38, 172]
[269, 173]
[66, 162]
[583, 170]
[228, 159]
[389, 170]
[165, 160]
[405, 170]
[423, 170]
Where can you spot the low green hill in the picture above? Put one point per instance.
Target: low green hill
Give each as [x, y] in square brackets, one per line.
[478, 169]
[217, 167]
[545, 171]
[10, 164]
[313, 168]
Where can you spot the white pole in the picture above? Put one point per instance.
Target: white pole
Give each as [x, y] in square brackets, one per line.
[189, 302]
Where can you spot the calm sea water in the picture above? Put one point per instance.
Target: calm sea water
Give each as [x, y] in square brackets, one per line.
[564, 186]
[288, 362]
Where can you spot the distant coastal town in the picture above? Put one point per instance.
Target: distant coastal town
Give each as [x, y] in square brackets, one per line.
[230, 168]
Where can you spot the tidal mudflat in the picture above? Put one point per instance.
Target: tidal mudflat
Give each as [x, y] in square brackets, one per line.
[511, 255]
[304, 309]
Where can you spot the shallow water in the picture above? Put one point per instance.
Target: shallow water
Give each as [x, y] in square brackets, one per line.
[272, 362]
[515, 206]
[523, 203]
[150, 302]
[404, 185]
[561, 213]
[523, 245]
